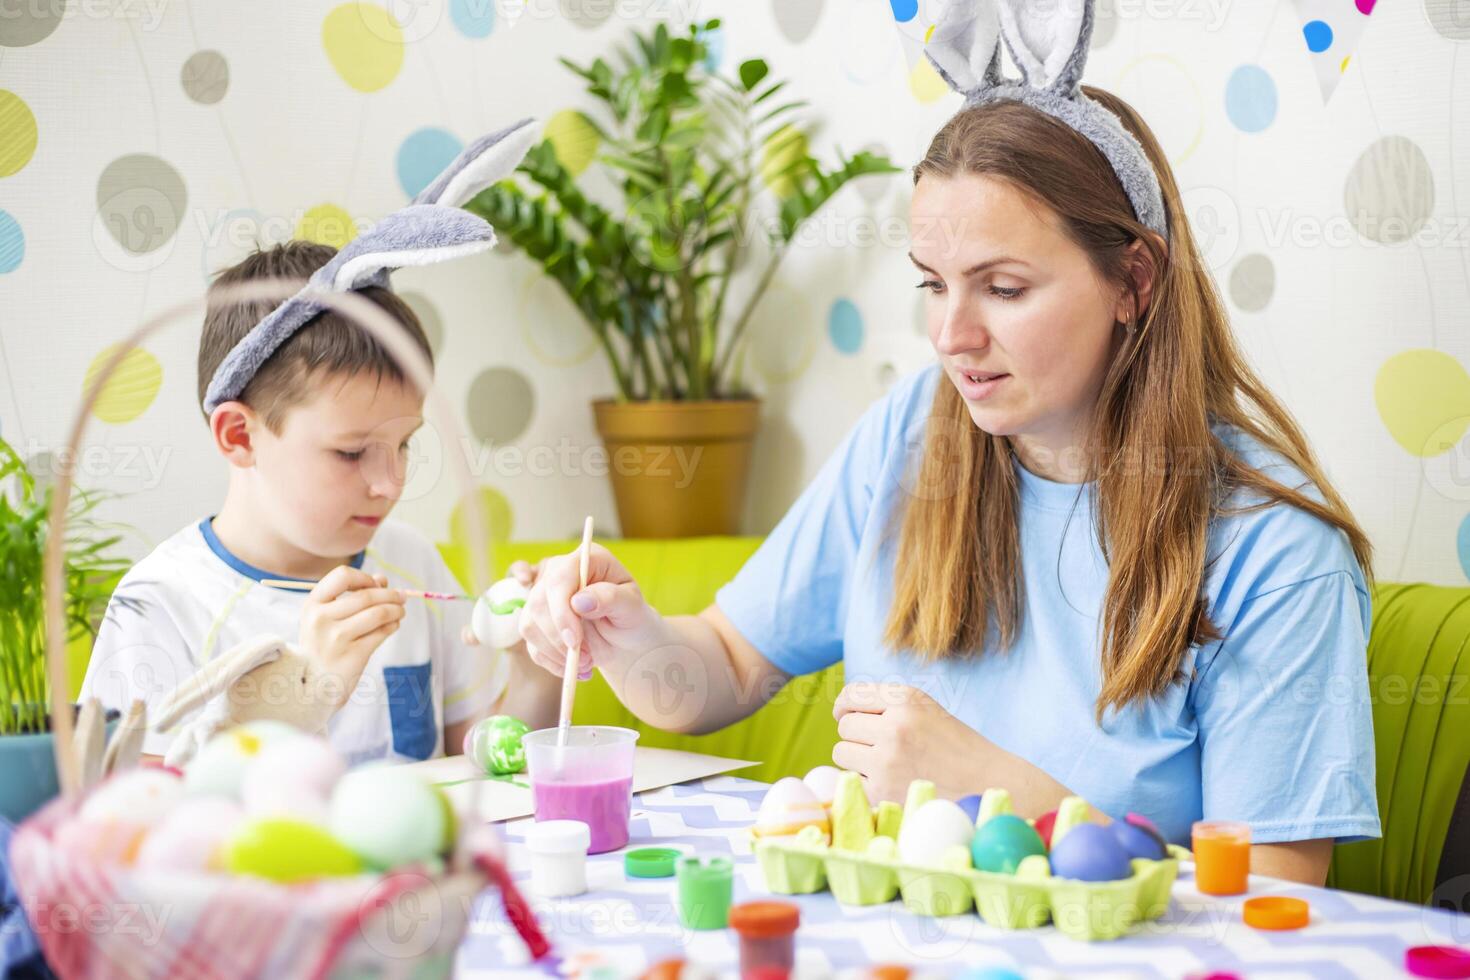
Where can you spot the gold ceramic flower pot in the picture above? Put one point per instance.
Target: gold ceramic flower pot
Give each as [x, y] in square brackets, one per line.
[678, 469]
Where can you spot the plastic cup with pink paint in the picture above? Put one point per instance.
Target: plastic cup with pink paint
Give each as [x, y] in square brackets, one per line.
[587, 777]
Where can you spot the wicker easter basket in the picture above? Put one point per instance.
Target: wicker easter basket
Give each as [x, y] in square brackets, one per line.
[104, 921]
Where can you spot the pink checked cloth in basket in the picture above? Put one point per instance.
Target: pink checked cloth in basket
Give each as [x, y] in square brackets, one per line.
[96, 921]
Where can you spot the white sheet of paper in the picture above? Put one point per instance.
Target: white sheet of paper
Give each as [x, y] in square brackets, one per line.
[500, 800]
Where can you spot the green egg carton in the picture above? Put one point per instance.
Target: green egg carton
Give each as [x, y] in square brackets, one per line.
[1086, 910]
[857, 879]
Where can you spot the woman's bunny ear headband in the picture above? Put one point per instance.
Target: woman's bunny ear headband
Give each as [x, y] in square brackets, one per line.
[432, 228]
[1048, 41]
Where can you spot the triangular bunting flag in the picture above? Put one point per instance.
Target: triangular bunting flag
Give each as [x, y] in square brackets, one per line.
[1331, 30]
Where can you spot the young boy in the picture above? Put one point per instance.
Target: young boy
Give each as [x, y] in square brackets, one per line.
[316, 446]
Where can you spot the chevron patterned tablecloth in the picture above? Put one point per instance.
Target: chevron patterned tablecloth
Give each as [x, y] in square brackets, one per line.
[622, 926]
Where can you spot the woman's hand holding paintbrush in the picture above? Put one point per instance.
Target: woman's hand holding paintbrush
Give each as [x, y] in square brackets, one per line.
[608, 622]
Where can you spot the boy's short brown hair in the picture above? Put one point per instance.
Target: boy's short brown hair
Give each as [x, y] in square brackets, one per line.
[329, 344]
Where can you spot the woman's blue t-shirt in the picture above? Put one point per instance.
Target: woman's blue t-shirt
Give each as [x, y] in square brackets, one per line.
[1273, 726]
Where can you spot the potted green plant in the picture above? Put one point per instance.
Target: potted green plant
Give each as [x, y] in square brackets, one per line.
[714, 177]
[27, 766]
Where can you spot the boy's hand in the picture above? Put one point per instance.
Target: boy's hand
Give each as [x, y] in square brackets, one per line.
[346, 617]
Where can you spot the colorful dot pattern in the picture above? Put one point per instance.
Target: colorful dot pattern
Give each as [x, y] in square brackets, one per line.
[364, 43]
[423, 155]
[574, 139]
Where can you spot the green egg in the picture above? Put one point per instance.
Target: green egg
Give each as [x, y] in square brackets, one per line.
[494, 744]
[1003, 842]
[287, 850]
[388, 816]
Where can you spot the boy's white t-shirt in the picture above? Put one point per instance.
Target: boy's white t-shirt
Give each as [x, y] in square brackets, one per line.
[191, 600]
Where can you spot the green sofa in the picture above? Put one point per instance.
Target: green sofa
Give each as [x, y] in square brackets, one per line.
[1419, 670]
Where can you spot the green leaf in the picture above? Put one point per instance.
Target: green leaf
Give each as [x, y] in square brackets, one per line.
[751, 73]
[778, 86]
[781, 110]
[813, 192]
[577, 69]
[683, 151]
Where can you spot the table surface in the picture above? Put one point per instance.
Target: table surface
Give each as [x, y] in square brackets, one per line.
[630, 924]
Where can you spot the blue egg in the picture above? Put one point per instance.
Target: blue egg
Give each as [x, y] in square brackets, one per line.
[1002, 842]
[971, 805]
[1090, 853]
[989, 973]
[1140, 840]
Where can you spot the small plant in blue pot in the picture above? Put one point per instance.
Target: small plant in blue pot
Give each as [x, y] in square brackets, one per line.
[92, 568]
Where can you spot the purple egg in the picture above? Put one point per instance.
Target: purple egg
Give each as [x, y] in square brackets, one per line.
[971, 805]
[1090, 853]
[1140, 838]
[1138, 842]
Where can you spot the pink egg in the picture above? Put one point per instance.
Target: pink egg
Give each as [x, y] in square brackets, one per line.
[138, 796]
[190, 838]
[103, 840]
[292, 777]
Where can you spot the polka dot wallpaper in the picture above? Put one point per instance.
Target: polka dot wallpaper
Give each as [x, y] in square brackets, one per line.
[144, 147]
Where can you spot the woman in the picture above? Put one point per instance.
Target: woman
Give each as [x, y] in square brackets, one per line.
[1087, 552]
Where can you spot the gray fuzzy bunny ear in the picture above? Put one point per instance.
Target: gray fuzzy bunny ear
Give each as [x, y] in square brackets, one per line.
[482, 163]
[420, 234]
[1048, 41]
[965, 46]
[431, 229]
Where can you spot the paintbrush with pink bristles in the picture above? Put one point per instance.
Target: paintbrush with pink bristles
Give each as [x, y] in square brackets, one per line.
[297, 585]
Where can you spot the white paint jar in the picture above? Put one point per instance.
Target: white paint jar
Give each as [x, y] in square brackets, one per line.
[558, 850]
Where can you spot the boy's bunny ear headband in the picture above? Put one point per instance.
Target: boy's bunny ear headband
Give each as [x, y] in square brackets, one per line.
[432, 228]
[1048, 41]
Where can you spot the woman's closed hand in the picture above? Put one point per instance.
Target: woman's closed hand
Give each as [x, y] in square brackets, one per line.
[892, 734]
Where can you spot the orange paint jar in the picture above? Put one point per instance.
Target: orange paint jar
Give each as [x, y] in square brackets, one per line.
[1222, 856]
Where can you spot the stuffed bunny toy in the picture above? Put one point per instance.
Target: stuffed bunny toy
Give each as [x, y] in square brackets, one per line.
[237, 687]
[1048, 41]
[261, 678]
[250, 682]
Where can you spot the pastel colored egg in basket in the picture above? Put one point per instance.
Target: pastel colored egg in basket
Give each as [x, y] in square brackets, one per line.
[930, 854]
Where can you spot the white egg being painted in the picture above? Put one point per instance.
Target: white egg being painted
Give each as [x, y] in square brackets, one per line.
[496, 620]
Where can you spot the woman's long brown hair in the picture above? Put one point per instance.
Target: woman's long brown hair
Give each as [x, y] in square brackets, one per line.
[1161, 474]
